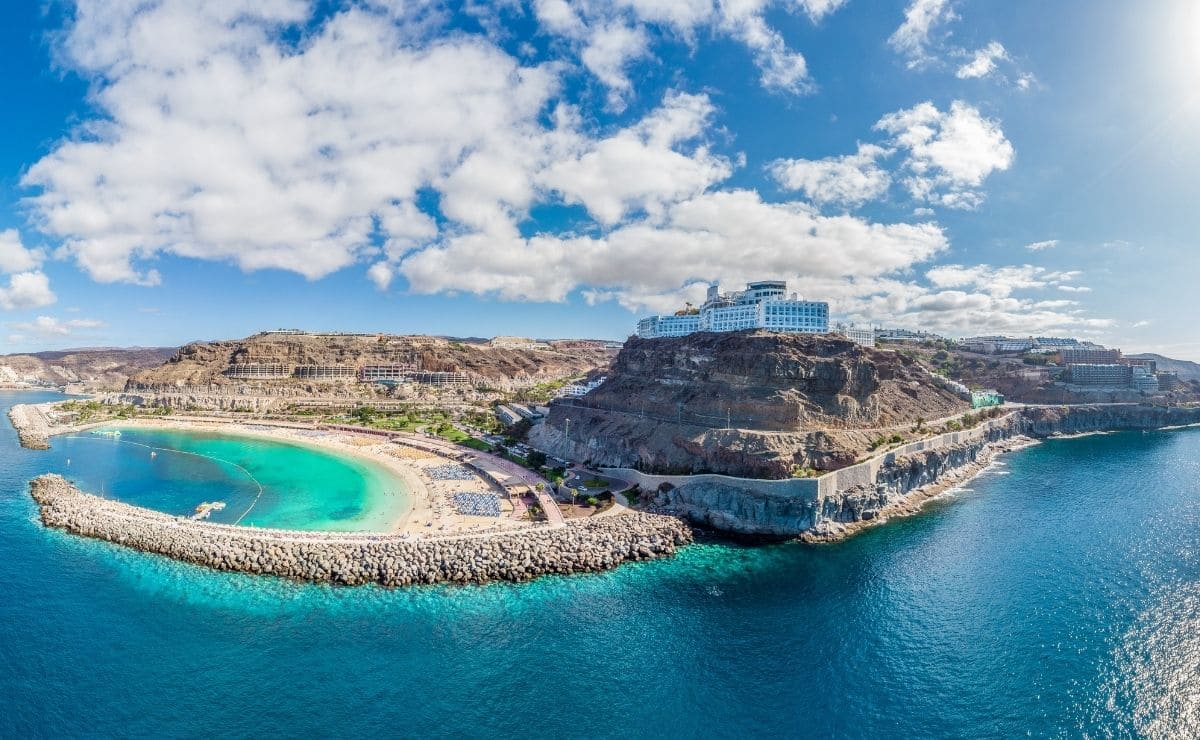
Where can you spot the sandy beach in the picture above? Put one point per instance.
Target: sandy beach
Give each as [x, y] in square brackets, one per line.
[431, 510]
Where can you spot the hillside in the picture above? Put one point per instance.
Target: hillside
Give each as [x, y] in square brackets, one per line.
[1187, 370]
[95, 369]
[202, 365]
[745, 403]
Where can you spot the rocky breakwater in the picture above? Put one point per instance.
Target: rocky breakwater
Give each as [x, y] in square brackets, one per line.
[352, 559]
[32, 429]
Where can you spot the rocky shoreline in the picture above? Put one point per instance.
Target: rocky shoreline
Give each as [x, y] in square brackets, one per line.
[912, 502]
[583, 546]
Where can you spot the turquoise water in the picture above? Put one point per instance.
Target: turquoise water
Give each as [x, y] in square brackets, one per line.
[263, 483]
[1060, 597]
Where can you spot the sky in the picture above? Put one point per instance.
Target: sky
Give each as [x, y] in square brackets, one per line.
[173, 171]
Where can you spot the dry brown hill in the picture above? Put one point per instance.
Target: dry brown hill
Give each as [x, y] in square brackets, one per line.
[202, 364]
[96, 369]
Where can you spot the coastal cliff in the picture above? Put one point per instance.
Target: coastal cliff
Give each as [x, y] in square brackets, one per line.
[753, 403]
[894, 482]
[352, 559]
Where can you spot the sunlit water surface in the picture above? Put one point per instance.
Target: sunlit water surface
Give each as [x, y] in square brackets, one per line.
[1059, 596]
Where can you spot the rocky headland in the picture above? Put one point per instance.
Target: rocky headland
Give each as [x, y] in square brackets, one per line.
[753, 404]
[582, 546]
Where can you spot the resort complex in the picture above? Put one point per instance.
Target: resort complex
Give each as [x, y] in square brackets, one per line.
[762, 305]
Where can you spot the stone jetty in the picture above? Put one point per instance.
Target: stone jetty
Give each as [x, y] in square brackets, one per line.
[354, 558]
[31, 425]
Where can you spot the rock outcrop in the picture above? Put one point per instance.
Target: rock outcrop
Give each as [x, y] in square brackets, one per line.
[351, 559]
[753, 404]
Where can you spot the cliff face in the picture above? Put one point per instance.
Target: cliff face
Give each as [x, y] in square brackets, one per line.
[835, 504]
[747, 403]
[199, 366]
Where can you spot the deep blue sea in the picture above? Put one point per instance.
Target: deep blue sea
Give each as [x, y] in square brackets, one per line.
[1059, 596]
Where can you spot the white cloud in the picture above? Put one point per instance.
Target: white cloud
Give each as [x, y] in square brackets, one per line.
[818, 9]
[610, 35]
[732, 236]
[912, 38]
[1075, 289]
[642, 167]
[27, 290]
[225, 144]
[983, 63]
[849, 180]
[609, 49]
[1042, 245]
[14, 256]
[780, 68]
[48, 326]
[950, 153]
[998, 281]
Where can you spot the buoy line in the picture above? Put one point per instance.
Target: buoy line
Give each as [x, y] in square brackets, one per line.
[193, 454]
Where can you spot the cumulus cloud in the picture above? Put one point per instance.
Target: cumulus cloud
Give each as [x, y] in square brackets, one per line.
[610, 36]
[14, 256]
[49, 327]
[945, 158]
[950, 153]
[253, 133]
[609, 49]
[849, 180]
[27, 286]
[641, 167]
[226, 144]
[27, 290]
[912, 38]
[732, 236]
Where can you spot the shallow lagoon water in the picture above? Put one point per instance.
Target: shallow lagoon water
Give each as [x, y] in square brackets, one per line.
[1060, 596]
[262, 482]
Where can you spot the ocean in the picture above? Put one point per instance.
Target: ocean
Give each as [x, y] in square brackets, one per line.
[1056, 595]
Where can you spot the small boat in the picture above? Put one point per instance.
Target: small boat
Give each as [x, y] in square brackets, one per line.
[107, 432]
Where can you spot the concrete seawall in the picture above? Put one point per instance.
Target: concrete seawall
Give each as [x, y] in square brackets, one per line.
[836, 503]
[351, 559]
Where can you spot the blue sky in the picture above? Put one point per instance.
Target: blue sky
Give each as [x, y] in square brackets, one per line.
[552, 168]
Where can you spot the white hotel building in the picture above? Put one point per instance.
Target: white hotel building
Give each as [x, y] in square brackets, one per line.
[762, 305]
